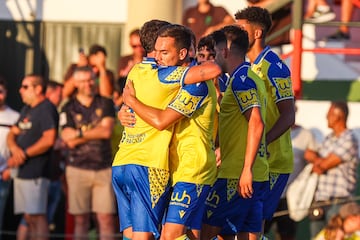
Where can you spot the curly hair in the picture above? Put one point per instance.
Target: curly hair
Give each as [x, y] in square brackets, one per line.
[256, 15]
[149, 32]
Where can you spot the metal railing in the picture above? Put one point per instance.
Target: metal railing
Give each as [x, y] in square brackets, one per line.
[296, 53]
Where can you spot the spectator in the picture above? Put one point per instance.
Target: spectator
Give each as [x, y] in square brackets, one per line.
[97, 60]
[350, 213]
[30, 142]
[8, 117]
[318, 11]
[128, 61]
[87, 122]
[336, 162]
[343, 33]
[301, 139]
[54, 95]
[333, 230]
[204, 18]
[343, 226]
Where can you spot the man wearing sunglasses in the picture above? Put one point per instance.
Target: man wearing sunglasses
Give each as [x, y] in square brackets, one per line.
[30, 142]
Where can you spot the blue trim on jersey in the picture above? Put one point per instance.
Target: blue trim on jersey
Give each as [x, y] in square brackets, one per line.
[193, 62]
[188, 96]
[172, 74]
[262, 54]
[278, 73]
[224, 80]
[149, 60]
[243, 84]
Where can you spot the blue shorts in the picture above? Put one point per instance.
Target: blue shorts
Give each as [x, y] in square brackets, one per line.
[273, 194]
[142, 195]
[187, 204]
[226, 209]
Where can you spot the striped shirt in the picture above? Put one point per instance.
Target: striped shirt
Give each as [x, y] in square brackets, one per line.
[339, 181]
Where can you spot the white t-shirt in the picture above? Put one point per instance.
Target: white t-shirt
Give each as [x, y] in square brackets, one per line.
[8, 116]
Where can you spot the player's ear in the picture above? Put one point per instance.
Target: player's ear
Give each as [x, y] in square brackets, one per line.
[258, 33]
[183, 53]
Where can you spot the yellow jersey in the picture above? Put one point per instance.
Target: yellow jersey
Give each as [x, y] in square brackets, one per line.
[245, 91]
[276, 76]
[155, 86]
[192, 157]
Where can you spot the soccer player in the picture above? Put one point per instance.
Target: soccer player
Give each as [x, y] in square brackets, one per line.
[234, 204]
[192, 157]
[280, 115]
[140, 168]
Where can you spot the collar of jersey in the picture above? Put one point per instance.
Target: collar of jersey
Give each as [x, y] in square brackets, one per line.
[149, 60]
[244, 64]
[261, 55]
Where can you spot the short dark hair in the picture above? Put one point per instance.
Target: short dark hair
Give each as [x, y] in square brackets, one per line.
[180, 33]
[342, 106]
[256, 15]
[206, 42]
[39, 80]
[237, 37]
[149, 32]
[94, 49]
[218, 37]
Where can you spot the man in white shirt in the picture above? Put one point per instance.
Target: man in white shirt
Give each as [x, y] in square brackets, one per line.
[8, 117]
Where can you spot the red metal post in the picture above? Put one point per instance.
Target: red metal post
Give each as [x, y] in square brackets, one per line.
[296, 63]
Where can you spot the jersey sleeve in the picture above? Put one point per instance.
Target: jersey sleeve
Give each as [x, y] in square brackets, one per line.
[245, 93]
[279, 75]
[172, 74]
[190, 98]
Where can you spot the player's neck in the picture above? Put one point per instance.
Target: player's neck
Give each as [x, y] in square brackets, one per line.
[339, 129]
[85, 100]
[254, 52]
[37, 101]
